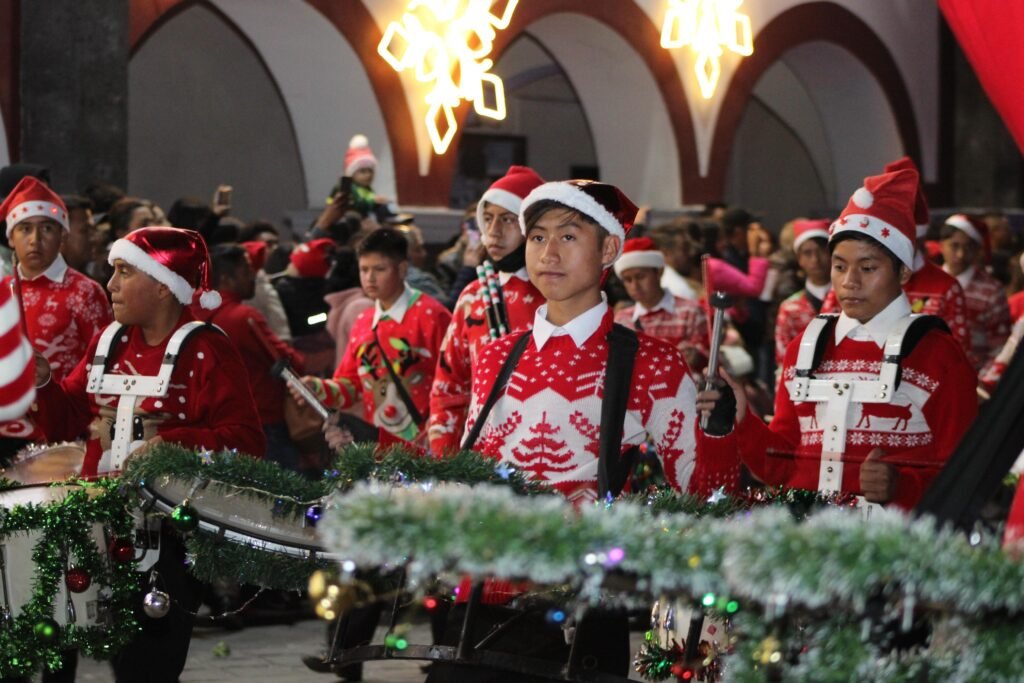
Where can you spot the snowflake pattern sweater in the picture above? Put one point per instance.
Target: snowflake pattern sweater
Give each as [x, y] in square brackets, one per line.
[63, 312]
[795, 313]
[988, 317]
[918, 430]
[547, 422]
[467, 335]
[410, 340]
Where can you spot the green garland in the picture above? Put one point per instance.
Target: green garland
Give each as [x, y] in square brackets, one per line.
[843, 580]
[66, 528]
[291, 495]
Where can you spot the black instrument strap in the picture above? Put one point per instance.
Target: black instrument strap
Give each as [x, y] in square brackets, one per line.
[417, 416]
[497, 389]
[613, 466]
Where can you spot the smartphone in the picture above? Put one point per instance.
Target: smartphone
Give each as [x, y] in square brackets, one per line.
[345, 184]
[223, 196]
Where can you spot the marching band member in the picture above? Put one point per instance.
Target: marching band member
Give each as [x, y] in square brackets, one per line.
[63, 308]
[473, 324]
[873, 401]
[964, 239]
[810, 242]
[155, 374]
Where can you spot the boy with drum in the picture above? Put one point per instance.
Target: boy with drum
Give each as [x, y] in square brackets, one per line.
[153, 375]
[569, 400]
[872, 401]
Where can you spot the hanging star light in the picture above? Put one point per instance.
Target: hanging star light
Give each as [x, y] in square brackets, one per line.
[447, 42]
[707, 26]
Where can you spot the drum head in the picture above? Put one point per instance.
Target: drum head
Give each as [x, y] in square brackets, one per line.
[47, 464]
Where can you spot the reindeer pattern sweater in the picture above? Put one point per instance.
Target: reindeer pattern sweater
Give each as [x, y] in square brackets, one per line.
[931, 410]
[467, 335]
[409, 334]
[547, 422]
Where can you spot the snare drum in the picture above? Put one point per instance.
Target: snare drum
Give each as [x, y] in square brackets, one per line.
[18, 571]
[236, 517]
[46, 464]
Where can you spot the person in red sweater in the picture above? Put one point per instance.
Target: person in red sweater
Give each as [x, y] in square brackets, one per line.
[154, 375]
[930, 290]
[873, 416]
[497, 215]
[681, 322]
[392, 351]
[964, 239]
[235, 279]
[810, 242]
[64, 309]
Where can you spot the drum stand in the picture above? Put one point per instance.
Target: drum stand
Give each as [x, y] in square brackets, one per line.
[466, 652]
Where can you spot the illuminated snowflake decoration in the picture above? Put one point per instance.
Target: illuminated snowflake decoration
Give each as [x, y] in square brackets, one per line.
[708, 27]
[447, 43]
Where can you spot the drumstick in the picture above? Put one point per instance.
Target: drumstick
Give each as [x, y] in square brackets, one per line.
[282, 370]
[494, 285]
[485, 294]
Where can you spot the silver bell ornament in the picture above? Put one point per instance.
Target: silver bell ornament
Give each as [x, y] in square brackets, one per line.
[156, 604]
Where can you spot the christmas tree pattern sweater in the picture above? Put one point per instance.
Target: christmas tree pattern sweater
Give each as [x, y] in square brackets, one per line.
[409, 335]
[918, 430]
[467, 335]
[547, 422]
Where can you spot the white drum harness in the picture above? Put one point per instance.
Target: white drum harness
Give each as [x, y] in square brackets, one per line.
[131, 388]
[838, 395]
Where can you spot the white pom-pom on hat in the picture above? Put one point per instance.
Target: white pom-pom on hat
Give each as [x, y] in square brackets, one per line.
[358, 141]
[210, 299]
[863, 198]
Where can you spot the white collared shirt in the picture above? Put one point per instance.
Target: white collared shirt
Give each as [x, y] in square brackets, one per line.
[503, 277]
[55, 273]
[667, 304]
[963, 278]
[580, 328]
[877, 329]
[397, 310]
[819, 292]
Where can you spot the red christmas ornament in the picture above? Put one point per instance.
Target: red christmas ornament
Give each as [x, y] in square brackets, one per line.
[122, 550]
[78, 580]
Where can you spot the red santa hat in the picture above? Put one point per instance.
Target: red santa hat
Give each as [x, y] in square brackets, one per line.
[313, 258]
[17, 362]
[30, 198]
[804, 230]
[975, 228]
[884, 209]
[509, 191]
[359, 155]
[602, 203]
[257, 254]
[921, 214]
[639, 252]
[173, 257]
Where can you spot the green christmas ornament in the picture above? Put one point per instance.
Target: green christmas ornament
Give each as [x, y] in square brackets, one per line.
[46, 630]
[185, 518]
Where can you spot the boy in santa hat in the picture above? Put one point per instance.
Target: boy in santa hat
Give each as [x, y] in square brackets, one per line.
[655, 311]
[930, 290]
[873, 401]
[810, 242]
[63, 308]
[360, 166]
[964, 240]
[473, 323]
[569, 400]
[154, 375]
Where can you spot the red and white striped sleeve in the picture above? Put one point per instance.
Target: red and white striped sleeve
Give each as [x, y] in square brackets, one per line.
[17, 363]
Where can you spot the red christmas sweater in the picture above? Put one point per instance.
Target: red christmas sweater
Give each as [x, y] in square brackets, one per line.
[410, 335]
[233, 317]
[683, 323]
[547, 422]
[930, 412]
[933, 291]
[63, 311]
[467, 335]
[209, 404]
[988, 316]
[795, 313]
